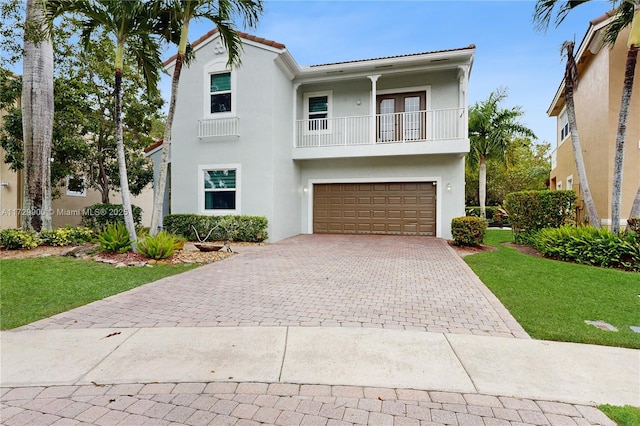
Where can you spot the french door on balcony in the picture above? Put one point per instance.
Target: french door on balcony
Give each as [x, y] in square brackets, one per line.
[401, 117]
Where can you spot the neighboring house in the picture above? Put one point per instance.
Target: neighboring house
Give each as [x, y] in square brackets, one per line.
[67, 209]
[597, 101]
[371, 146]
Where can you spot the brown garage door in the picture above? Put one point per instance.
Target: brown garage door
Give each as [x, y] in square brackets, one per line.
[403, 208]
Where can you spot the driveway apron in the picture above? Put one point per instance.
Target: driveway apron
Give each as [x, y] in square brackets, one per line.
[391, 282]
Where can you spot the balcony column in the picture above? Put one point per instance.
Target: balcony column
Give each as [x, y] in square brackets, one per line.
[372, 123]
[295, 113]
[463, 76]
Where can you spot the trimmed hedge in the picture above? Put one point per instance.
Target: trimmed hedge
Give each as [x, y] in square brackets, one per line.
[531, 211]
[98, 216]
[591, 246]
[468, 230]
[234, 228]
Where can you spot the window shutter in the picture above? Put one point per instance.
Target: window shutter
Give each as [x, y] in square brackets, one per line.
[220, 82]
[319, 104]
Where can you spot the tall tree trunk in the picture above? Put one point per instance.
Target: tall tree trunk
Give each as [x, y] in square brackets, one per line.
[570, 81]
[122, 164]
[635, 208]
[161, 183]
[618, 161]
[102, 178]
[482, 186]
[37, 120]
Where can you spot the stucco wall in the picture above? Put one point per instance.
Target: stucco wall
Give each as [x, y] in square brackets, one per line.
[597, 103]
[444, 169]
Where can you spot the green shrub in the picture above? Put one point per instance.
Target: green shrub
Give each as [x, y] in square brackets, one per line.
[115, 238]
[591, 246]
[468, 231]
[234, 228]
[98, 216]
[66, 236]
[530, 211]
[159, 246]
[13, 239]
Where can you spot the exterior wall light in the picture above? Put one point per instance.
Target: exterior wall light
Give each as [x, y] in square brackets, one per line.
[449, 187]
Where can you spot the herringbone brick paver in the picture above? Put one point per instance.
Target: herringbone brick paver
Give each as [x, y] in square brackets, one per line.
[374, 406]
[411, 283]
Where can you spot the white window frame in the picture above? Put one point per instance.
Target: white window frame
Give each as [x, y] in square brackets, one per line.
[309, 95]
[218, 66]
[570, 183]
[210, 167]
[73, 193]
[563, 123]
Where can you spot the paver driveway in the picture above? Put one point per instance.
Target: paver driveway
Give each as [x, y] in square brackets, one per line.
[413, 283]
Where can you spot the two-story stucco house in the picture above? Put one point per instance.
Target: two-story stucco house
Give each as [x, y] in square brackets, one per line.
[371, 146]
[597, 101]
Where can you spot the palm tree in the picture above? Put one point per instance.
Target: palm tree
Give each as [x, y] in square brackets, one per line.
[132, 24]
[37, 119]
[491, 130]
[627, 13]
[174, 26]
[570, 84]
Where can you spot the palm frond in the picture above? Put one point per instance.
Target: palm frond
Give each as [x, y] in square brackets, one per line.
[545, 10]
[622, 18]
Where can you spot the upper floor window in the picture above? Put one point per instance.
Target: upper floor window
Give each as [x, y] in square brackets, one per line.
[564, 125]
[220, 92]
[318, 110]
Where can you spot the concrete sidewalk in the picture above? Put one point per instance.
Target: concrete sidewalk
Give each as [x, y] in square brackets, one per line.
[521, 368]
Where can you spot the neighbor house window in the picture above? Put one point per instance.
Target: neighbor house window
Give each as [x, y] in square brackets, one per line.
[564, 125]
[220, 92]
[75, 186]
[318, 110]
[220, 189]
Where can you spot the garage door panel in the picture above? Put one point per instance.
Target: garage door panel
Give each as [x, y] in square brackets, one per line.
[404, 208]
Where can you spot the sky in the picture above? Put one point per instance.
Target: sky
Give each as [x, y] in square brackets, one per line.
[510, 52]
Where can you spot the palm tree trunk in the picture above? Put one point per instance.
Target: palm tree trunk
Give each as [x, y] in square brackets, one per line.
[37, 121]
[635, 208]
[158, 199]
[569, 81]
[161, 183]
[122, 164]
[618, 162]
[482, 187]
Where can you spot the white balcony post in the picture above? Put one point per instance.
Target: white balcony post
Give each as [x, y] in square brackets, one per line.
[463, 76]
[295, 114]
[372, 124]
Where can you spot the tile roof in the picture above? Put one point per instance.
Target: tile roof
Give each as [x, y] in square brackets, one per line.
[154, 146]
[243, 35]
[471, 46]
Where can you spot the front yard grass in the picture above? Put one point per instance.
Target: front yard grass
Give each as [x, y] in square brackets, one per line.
[624, 416]
[32, 289]
[552, 299]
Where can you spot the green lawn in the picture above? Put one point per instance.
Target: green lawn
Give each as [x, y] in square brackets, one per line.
[623, 416]
[552, 299]
[32, 289]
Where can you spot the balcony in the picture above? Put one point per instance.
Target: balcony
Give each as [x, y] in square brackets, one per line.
[211, 128]
[407, 133]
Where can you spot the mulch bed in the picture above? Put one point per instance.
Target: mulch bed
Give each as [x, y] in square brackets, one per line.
[189, 254]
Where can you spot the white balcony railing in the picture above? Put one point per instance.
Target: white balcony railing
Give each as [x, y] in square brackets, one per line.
[403, 127]
[227, 126]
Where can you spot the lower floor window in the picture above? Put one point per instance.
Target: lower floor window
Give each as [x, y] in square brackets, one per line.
[220, 190]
